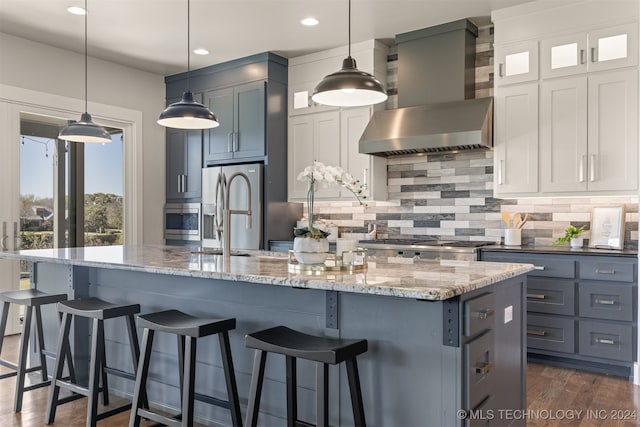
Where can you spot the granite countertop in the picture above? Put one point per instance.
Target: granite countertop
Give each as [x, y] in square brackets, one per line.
[406, 278]
[552, 249]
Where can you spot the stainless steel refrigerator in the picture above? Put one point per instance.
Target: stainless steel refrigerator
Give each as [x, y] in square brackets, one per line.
[270, 219]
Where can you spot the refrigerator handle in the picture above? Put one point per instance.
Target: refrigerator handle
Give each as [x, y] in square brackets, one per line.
[219, 202]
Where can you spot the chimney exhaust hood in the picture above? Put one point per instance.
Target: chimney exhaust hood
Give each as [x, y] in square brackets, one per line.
[436, 84]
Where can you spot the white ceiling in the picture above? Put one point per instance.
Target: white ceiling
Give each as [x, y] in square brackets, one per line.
[151, 34]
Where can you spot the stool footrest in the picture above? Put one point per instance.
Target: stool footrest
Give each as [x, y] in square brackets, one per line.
[48, 353]
[84, 391]
[304, 424]
[8, 375]
[68, 399]
[119, 373]
[8, 364]
[159, 418]
[113, 411]
[37, 386]
[212, 400]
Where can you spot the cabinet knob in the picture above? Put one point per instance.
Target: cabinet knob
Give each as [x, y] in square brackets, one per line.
[538, 267]
[607, 341]
[605, 271]
[536, 296]
[605, 301]
[537, 332]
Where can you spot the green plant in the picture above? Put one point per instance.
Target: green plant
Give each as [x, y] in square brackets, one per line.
[569, 233]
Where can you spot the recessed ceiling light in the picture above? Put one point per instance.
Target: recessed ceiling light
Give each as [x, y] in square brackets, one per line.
[76, 10]
[201, 51]
[309, 22]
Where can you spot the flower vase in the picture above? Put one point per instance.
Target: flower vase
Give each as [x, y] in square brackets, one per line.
[310, 251]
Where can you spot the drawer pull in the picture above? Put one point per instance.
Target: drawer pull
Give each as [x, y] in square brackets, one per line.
[536, 332]
[536, 296]
[538, 267]
[599, 271]
[484, 369]
[486, 313]
[605, 301]
[605, 341]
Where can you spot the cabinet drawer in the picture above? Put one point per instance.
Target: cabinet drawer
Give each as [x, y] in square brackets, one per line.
[545, 266]
[484, 413]
[608, 340]
[479, 314]
[479, 360]
[553, 296]
[551, 333]
[605, 270]
[606, 300]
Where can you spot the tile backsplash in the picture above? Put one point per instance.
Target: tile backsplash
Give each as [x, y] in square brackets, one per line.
[451, 195]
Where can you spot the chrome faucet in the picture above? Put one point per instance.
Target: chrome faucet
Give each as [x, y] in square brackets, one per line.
[226, 223]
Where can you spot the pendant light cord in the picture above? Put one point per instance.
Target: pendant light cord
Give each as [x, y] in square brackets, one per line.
[188, 42]
[86, 94]
[348, 27]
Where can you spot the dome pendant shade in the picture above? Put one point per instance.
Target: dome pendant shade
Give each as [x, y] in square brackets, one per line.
[349, 87]
[188, 114]
[85, 130]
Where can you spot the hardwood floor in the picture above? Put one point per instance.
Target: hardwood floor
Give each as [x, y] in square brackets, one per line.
[555, 396]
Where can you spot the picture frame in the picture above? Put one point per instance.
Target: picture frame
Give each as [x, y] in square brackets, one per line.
[607, 227]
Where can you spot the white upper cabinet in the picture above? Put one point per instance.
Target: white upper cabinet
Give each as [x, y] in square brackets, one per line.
[563, 135]
[563, 56]
[516, 62]
[614, 47]
[516, 141]
[332, 134]
[598, 50]
[613, 132]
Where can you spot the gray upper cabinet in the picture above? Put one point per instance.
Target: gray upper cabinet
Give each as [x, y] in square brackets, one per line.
[183, 164]
[241, 113]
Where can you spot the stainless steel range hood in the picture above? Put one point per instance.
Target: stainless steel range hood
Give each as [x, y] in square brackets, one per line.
[436, 86]
[449, 126]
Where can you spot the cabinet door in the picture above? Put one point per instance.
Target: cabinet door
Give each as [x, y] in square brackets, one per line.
[218, 142]
[516, 63]
[563, 134]
[516, 140]
[313, 137]
[613, 47]
[370, 170]
[249, 139]
[326, 148]
[175, 163]
[563, 56]
[613, 131]
[192, 183]
[300, 154]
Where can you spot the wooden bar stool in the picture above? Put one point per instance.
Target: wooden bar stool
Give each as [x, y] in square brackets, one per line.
[32, 299]
[187, 328]
[99, 311]
[293, 345]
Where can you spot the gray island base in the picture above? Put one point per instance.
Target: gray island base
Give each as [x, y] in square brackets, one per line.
[445, 337]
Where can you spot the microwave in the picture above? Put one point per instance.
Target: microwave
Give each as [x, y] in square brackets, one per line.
[182, 221]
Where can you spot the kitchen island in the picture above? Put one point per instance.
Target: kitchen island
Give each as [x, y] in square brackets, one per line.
[444, 336]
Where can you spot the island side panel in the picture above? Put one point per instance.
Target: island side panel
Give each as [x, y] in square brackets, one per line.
[408, 377]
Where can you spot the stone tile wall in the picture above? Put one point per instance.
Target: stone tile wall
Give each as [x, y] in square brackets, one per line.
[451, 195]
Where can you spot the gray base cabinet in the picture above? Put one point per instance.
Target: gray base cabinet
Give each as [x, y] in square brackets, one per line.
[581, 309]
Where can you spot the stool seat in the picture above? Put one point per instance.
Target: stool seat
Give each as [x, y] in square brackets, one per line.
[179, 323]
[283, 340]
[96, 308]
[31, 297]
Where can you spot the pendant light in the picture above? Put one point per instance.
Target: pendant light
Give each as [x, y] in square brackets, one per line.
[187, 113]
[85, 130]
[349, 87]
